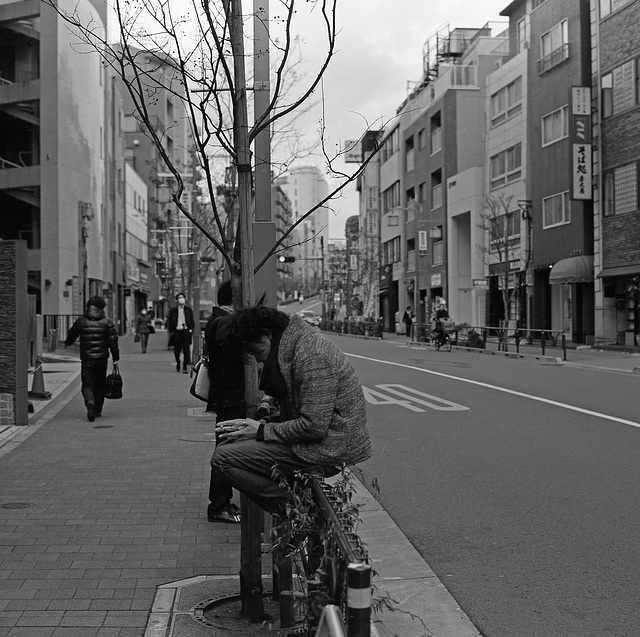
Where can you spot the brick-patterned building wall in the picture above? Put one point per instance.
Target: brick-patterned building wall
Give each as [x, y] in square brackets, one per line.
[13, 326]
[621, 240]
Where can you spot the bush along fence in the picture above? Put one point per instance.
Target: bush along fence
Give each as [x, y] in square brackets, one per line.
[321, 573]
[353, 326]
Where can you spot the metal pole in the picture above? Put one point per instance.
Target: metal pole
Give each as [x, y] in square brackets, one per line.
[358, 600]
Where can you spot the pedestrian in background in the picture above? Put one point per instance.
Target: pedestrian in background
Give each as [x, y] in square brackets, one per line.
[143, 328]
[180, 324]
[226, 398]
[407, 319]
[98, 336]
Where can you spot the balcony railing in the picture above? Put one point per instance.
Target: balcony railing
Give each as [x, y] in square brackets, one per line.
[553, 59]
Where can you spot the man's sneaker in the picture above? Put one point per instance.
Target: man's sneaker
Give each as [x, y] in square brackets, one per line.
[91, 414]
[230, 513]
[177, 367]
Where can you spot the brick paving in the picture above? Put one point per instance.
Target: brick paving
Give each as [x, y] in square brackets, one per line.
[94, 516]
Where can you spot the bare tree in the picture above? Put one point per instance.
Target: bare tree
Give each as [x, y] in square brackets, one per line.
[196, 54]
[502, 249]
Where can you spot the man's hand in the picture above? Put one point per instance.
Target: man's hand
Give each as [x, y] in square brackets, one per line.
[237, 429]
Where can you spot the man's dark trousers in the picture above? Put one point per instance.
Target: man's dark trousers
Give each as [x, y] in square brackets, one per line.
[93, 374]
[182, 345]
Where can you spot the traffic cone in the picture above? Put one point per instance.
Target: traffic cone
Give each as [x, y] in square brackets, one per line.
[37, 387]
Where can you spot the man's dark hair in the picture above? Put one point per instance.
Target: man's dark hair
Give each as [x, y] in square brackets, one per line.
[225, 294]
[251, 324]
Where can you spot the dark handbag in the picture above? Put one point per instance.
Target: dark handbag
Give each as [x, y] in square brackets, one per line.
[136, 338]
[113, 383]
[200, 385]
[152, 330]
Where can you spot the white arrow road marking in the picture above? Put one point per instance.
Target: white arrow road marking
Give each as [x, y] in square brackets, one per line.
[377, 398]
[555, 403]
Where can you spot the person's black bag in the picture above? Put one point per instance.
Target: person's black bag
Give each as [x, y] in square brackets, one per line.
[113, 383]
[152, 330]
[136, 338]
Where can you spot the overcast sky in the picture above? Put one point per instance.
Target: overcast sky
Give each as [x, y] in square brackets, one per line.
[379, 51]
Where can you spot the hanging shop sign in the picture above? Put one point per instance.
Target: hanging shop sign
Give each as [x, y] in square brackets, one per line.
[580, 132]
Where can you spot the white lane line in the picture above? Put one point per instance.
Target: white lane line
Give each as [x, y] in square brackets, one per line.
[555, 403]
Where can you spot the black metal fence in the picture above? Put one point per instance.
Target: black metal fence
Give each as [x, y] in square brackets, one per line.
[56, 327]
[503, 339]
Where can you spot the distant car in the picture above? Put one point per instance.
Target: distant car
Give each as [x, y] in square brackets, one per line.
[310, 317]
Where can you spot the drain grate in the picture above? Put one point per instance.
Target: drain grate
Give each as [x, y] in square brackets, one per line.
[16, 505]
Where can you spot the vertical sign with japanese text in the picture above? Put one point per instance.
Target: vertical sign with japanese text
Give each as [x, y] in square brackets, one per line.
[580, 133]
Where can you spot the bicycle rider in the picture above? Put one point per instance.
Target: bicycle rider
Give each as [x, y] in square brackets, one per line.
[442, 313]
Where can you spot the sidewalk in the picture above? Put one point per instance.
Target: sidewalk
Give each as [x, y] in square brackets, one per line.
[103, 525]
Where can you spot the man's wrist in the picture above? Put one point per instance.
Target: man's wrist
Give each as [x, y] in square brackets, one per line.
[260, 432]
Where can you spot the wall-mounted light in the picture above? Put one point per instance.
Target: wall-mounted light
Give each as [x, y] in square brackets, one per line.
[47, 283]
[69, 282]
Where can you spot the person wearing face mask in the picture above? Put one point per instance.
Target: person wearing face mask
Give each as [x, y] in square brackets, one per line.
[180, 324]
[143, 328]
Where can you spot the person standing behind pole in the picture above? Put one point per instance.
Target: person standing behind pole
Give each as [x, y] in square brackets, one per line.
[143, 328]
[407, 319]
[180, 324]
[98, 337]
[226, 398]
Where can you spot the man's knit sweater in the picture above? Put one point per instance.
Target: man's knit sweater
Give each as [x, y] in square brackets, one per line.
[329, 426]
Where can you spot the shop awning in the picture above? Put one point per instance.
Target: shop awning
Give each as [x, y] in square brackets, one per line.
[572, 270]
[627, 270]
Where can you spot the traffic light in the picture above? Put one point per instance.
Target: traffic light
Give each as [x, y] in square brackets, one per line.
[284, 259]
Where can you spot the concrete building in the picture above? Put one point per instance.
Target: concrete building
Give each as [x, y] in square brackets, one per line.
[55, 190]
[306, 187]
[615, 28]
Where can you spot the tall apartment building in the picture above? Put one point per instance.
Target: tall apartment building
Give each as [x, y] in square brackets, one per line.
[439, 133]
[615, 27]
[55, 191]
[306, 187]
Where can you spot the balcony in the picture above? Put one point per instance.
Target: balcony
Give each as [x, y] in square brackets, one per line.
[553, 59]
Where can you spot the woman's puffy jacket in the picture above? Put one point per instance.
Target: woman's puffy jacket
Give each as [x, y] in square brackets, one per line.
[98, 336]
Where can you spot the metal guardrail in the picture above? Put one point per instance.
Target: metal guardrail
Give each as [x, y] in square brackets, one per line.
[341, 578]
[502, 339]
[355, 328]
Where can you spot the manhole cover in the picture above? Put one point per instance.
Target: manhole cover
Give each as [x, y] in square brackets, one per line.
[16, 505]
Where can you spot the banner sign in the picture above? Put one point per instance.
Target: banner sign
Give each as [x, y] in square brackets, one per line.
[580, 133]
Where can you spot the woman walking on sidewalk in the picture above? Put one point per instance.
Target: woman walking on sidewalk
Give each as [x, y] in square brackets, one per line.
[98, 336]
[143, 328]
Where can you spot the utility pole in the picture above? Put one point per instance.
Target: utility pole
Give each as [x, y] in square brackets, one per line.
[250, 572]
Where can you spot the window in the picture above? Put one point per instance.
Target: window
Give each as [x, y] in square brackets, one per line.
[555, 126]
[436, 189]
[608, 6]
[521, 35]
[556, 210]
[422, 192]
[411, 204]
[409, 155]
[437, 257]
[422, 139]
[621, 190]
[507, 102]
[436, 134]
[554, 47]
[620, 88]
[391, 198]
[506, 166]
[391, 251]
[391, 145]
[505, 228]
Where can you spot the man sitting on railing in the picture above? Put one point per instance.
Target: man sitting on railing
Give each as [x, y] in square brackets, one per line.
[322, 420]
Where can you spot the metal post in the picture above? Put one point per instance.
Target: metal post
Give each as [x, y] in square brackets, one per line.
[358, 600]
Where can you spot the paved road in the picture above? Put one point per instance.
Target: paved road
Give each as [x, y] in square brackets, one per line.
[524, 502]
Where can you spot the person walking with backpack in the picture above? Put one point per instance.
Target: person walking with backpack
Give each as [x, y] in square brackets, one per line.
[98, 337]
